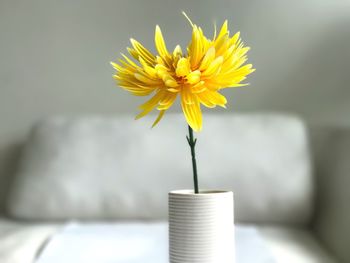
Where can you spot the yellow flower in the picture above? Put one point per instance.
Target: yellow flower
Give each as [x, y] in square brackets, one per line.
[196, 76]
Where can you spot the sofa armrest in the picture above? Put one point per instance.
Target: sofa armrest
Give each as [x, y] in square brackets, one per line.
[21, 242]
[332, 168]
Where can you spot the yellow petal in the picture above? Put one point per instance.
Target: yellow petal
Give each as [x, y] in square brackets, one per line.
[212, 98]
[143, 52]
[146, 79]
[183, 67]
[137, 91]
[192, 113]
[231, 66]
[234, 85]
[186, 95]
[194, 77]
[204, 99]
[149, 105]
[242, 71]
[161, 70]
[167, 101]
[199, 87]
[116, 66]
[221, 45]
[217, 99]
[160, 116]
[160, 44]
[208, 58]
[223, 30]
[174, 90]
[196, 47]
[133, 53]
[177, 51]
[235, 38]
[189, 20]
[169, 81]
[215, 30]
[132, 63]
[148, 69]
[214, 67]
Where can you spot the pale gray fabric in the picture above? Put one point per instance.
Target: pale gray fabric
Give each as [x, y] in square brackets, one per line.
[95, 168]
[333, 169]
[20, 243]
[292, 244]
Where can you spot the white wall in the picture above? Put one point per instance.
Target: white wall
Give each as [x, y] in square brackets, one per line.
[54, 57]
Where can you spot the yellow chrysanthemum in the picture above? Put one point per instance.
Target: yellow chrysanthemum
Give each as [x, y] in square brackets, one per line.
[197, 77]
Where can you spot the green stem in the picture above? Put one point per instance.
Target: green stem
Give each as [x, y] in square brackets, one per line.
[192, 142]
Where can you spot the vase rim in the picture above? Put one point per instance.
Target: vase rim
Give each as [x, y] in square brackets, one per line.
[201, 192]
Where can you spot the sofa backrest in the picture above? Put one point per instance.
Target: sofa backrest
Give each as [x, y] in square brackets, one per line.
[115, 168]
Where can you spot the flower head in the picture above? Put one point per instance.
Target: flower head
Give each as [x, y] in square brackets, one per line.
[197, 76]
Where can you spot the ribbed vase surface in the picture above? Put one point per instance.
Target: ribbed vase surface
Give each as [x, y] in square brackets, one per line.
[201, 227]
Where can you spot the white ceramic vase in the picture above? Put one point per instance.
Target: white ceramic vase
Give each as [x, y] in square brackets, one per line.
[201, 227]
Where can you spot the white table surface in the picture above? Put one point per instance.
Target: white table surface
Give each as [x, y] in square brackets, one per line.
[135, 243]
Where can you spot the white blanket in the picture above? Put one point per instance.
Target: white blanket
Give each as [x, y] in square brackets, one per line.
[134, 243]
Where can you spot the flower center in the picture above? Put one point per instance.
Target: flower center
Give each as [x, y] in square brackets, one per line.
[184, 73]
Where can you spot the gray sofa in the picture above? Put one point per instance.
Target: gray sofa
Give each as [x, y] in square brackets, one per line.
[290, 182]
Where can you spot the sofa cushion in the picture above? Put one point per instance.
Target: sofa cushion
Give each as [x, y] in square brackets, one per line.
[116, 168]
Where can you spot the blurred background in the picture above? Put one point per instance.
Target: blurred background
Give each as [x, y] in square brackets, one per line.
[54, 58]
